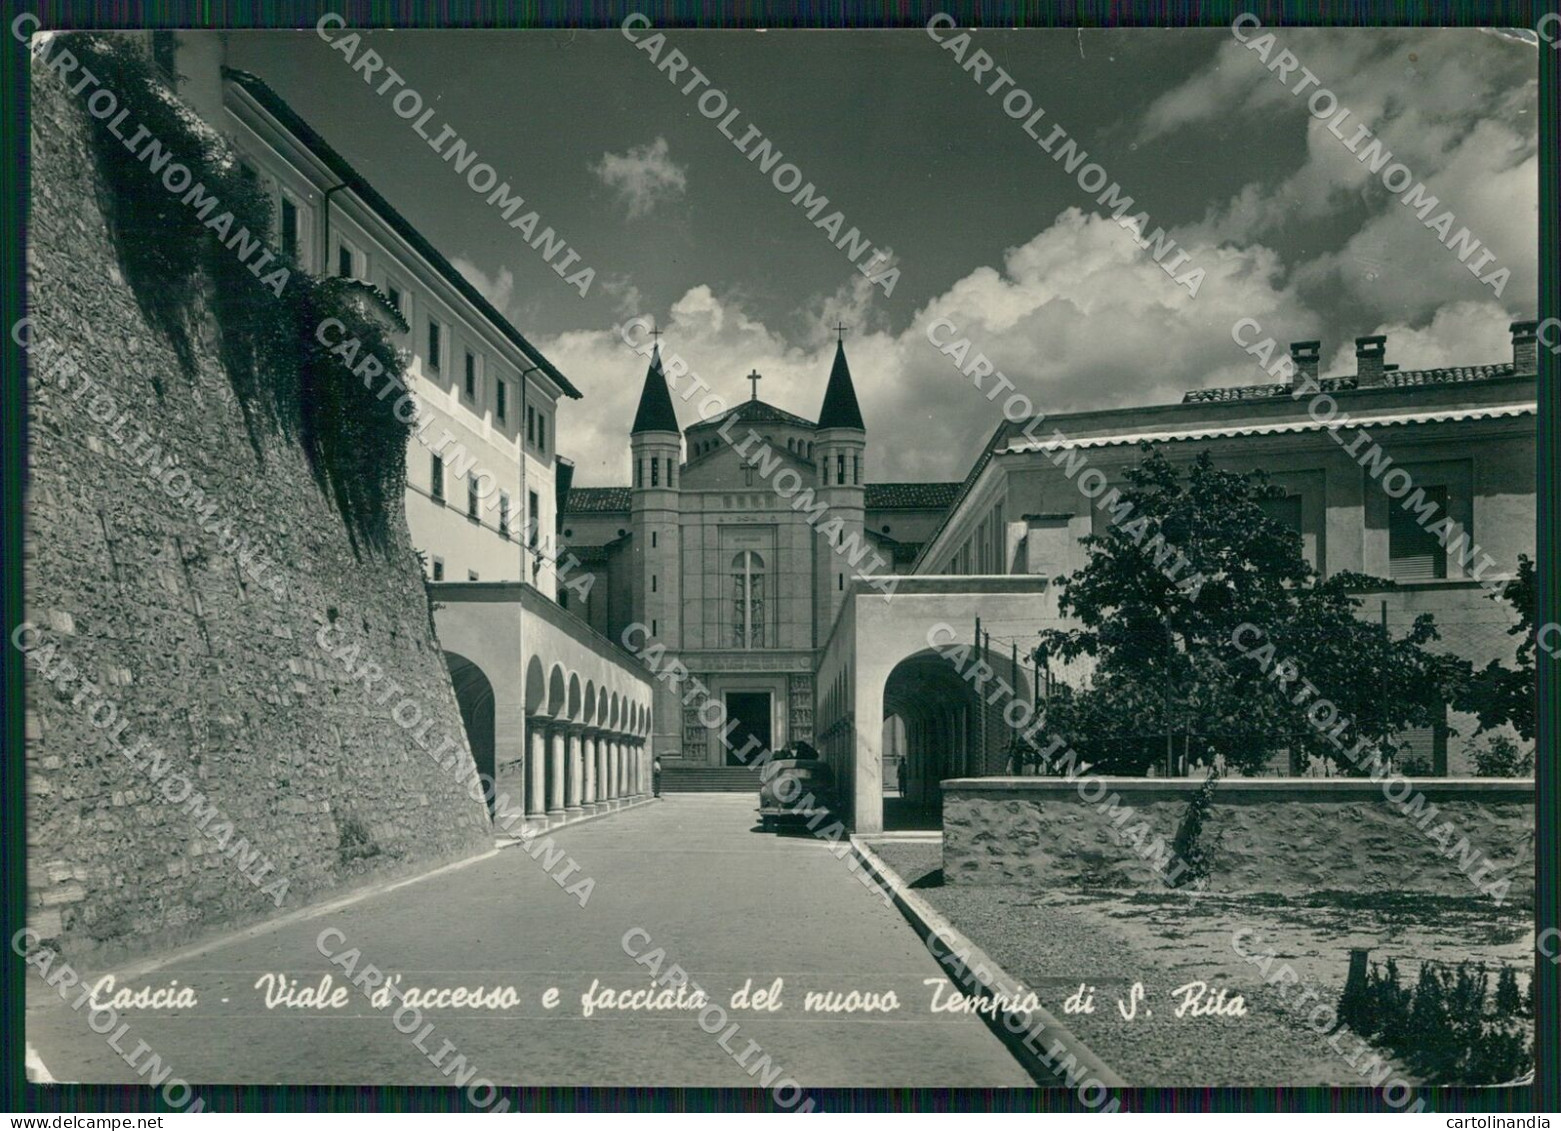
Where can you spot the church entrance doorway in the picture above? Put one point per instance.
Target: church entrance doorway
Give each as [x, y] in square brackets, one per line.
[750, 710]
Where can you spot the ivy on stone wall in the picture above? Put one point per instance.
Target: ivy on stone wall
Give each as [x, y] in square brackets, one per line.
[192, 233]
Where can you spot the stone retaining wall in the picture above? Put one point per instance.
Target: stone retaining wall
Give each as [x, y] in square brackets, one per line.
[1285, 835]
[127, 583]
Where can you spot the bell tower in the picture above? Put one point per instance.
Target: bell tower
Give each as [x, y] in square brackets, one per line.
[839, 454]
[656, 446]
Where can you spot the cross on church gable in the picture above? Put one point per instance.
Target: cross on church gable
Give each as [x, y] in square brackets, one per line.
[754, 378]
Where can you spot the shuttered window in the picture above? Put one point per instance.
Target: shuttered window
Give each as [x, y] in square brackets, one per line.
[1415, 554]
[1422, 751]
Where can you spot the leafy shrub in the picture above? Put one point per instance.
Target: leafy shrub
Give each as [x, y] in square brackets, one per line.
[1190, 845]
[1499, 757]
[174, 256]
[1443, 1029]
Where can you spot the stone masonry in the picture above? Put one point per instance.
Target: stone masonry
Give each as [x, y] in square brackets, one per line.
[127, 583]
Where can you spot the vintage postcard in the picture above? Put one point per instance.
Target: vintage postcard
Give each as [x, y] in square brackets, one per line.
[656, 557]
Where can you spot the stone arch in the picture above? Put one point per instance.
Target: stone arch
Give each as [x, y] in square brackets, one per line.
[588, 703]
[572, 707]
[557, 692]
[612, 711]
[937, 710]
[536, 686]
[475, 697]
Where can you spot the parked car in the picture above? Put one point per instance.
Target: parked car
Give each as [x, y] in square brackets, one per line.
[799, 789]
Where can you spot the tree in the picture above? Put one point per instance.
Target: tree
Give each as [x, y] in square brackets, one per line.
[1186, 561]
[1498, 694]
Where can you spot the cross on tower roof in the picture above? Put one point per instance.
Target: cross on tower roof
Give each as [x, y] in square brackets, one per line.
[840, 332]
[655, 332]
[754, 379]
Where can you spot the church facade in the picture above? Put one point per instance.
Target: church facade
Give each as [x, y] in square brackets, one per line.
[736, 544]
[737, 577]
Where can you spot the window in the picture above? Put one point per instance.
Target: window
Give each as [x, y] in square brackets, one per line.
[504, 515]
[653, 583]
[840, 467]
[1286, 511]
[436, 479]
[473, 503]
[533, 519]
[344, 261]
[1414, 554]
[501, 398]
[471, 376]
[654, 631]
[856, 469]
[541, 433]
[165, 49]
[652, 539]
[655, 472]
[289, 229]
[1422, 751]
[438, 569]
[393, 293]
[747, 600]
[435, 345]
[531, 425]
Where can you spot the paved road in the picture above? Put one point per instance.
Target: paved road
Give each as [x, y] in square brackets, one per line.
[725, 901]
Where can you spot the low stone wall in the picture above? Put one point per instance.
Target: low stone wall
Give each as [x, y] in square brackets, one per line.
[1287, 835]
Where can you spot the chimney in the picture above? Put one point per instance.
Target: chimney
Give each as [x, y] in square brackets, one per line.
[1369, 353]
[1525, 348]
[1303, 361]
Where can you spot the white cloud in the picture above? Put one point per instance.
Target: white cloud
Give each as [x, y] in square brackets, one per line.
[1465, 333]
[499, 289]
[1077, 317]
[1457, 108]
[643, 177]
[1080, 317]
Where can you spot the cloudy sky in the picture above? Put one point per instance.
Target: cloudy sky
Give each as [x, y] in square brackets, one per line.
[984, 227]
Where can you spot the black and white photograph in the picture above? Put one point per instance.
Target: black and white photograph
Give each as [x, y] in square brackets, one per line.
[794, 560]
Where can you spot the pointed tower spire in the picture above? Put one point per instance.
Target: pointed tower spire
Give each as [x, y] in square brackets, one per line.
[840, 408]
[655, 413]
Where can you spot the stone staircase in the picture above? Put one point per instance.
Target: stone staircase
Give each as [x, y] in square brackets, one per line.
[709, 779]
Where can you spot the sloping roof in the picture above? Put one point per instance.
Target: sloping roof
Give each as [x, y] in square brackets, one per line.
[655, 413]
[757, 412]
[840, 408]
[278, 108]
[1226, 431]
[1392, 379]
[598, 500]
[965, 485]
[899, 552]
[910, 496]
[879, 496]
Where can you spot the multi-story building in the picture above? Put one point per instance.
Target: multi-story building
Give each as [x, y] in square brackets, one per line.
[1431, 485]
[734, 575]
[554, 711]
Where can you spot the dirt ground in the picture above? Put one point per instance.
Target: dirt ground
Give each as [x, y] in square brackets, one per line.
[1108, 940]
